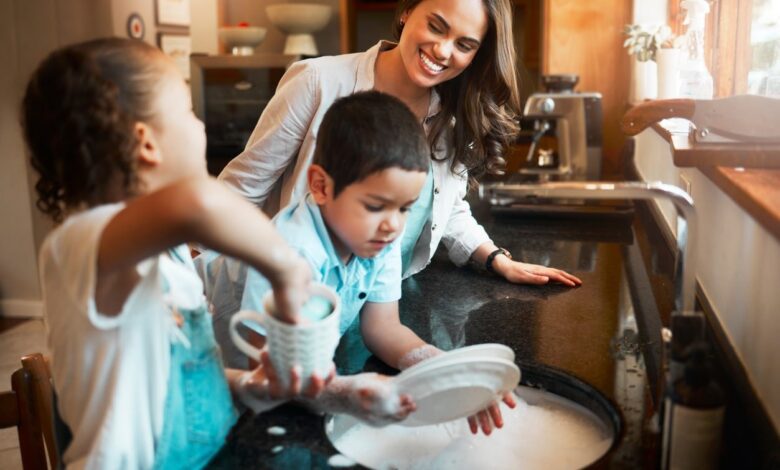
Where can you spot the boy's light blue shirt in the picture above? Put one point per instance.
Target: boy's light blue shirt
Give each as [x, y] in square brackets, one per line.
[362, 280]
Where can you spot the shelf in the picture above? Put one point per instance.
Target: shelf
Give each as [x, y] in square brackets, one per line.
[375, 6]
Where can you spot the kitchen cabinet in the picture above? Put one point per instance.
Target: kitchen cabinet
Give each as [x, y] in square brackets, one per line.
[586, 38]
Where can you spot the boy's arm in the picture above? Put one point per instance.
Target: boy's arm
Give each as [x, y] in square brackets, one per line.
[201, 210]
[384, 334]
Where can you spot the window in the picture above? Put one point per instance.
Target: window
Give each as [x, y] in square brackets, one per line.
[763, 76]
[742, 43]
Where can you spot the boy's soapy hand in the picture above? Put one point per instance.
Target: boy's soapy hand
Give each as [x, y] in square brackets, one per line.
[490, 417]
[370, 397]
[378, 401]
[291, 290]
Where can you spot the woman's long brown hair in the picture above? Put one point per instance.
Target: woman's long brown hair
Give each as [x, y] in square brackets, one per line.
[484, 100]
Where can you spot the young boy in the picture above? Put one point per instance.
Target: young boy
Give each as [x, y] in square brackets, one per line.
[370, 164]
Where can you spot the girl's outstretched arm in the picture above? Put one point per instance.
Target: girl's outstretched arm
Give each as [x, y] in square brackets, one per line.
[196, 210]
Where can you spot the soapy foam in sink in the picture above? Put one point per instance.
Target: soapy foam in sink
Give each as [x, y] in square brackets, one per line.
[542, 432]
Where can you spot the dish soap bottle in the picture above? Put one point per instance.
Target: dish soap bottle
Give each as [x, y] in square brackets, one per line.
[693, 415]
[695, 79]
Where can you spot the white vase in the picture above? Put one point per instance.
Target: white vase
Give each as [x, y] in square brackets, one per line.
[668, 73]
[645, 82]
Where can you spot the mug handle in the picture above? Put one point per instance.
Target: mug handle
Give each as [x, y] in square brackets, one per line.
[238, 340]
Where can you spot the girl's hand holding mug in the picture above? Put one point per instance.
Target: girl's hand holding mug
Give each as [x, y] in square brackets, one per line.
[298, 358]
[261, 389]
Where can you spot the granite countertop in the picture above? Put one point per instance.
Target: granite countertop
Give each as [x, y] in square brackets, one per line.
[593, 334]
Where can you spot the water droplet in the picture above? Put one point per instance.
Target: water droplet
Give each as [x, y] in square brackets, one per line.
[276, 431]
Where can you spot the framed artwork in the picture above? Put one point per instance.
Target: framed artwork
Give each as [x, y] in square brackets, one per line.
[178, 47]
[173, 12]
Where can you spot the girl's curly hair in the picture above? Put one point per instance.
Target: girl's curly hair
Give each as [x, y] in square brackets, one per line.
[78, 116]
[479, 107]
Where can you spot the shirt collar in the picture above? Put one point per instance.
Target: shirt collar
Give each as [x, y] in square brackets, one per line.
[322, 231]
[357, 266]
[365, 72]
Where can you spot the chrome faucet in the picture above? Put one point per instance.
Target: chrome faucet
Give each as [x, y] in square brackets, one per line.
[502, 194]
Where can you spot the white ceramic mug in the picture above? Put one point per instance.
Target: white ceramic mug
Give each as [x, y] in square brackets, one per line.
[310, 346]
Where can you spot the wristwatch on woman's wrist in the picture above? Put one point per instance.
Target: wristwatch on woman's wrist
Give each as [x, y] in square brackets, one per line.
[492, 256]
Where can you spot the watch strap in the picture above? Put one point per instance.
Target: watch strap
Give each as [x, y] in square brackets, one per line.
[492, 256]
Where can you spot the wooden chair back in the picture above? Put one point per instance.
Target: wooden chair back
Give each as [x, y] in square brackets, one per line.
[29, 406]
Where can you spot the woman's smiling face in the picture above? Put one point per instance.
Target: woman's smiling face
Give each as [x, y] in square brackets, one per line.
[440, 39]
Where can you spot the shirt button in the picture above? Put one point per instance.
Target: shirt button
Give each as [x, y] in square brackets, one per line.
[362, 295]
[435, 190]
[433, 227]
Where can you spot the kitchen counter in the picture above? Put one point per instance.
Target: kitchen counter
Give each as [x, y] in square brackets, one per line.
[597, 333]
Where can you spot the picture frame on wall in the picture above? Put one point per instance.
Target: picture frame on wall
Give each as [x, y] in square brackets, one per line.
[173, 12]
[178, 47]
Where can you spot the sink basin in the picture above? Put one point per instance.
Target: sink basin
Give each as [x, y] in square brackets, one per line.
[559, 422]
[299, 21]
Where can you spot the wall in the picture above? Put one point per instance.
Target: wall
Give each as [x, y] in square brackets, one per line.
[737, 267]
[30, 29]
[121, 9]
[650, 11]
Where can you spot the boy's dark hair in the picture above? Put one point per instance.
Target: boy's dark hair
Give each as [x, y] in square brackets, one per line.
[78, 116]
[368, 132]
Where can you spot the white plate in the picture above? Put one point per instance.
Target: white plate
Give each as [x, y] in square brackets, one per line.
[456, 388]
[487, 350]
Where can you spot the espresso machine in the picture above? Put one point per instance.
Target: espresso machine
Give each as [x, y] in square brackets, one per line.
[560, 140]
[562, 135]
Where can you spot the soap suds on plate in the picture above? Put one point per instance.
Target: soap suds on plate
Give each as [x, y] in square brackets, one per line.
[542, 432]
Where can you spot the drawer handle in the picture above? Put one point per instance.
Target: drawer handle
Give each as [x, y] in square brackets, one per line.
[243, 85]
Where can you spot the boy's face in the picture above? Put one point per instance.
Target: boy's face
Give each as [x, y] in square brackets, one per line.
[367, 215]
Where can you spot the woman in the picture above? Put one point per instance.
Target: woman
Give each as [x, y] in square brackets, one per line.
[454, 66]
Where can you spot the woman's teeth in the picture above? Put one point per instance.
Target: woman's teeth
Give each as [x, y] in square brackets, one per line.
[429, 64]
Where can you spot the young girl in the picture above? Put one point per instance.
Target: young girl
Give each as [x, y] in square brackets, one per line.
[454, 67]
[120, 158]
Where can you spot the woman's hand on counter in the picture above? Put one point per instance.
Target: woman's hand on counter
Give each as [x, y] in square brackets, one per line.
[526, 273]
[490, 417]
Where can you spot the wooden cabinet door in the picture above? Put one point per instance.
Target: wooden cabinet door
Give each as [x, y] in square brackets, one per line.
[586, 38]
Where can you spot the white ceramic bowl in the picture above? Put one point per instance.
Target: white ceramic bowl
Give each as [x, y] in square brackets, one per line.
[242, 38]
[299, 18]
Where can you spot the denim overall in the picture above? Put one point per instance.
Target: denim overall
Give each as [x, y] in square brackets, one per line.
[198, 411]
